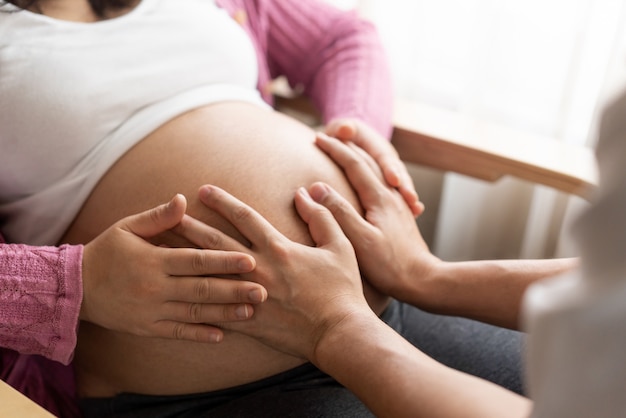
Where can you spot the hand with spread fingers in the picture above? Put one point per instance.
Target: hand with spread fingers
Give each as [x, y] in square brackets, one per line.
[390, 249]
[133, 286]
[316, 310]
[384, 154]
[395, 259]
[295, 319]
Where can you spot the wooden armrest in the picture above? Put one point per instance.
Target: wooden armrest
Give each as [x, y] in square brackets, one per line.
[450, 141]
[14, 404]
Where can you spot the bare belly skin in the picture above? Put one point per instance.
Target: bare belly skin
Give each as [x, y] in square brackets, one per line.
[261, 157]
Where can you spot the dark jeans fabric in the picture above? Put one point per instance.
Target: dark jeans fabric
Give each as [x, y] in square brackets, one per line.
[298, 393]
[482, 350]
[486, 351]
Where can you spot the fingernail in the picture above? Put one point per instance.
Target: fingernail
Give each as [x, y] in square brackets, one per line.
[202, 193]
[256, 296]
[318, 192]
[395, 176]
[241, 311]
[245, 264]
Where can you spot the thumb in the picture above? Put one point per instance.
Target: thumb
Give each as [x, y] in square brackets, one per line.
[323, 227]
[158, 219]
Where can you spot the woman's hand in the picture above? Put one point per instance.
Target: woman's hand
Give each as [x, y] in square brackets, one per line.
[389, 247]
[394, 171]
[311, 290]
[133, 286]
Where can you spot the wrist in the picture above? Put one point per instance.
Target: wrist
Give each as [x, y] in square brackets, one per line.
[86, 264]
[353, 327]
[418, 283]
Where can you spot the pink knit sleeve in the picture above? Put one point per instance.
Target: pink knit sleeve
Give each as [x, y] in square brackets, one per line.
[40, 298]
[336, 57]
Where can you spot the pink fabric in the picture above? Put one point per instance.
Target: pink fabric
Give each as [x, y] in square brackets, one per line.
[46, 382]
[345, 73]
[40, 295]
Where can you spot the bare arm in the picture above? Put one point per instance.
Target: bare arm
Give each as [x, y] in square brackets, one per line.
[122, 282]
[397, 380]
[316, 310]
[398, 262]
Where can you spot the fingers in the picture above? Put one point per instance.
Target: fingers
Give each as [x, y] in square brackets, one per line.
[156, 220]
[203, 290]
[250, 224]
[196, 262]
[361, 176]
[394, 170]
[363, 136]
[322, 226]
[205, 236]
[411, 197]
[185, 331]
[344, 129]
[353, 225]
[204, 313]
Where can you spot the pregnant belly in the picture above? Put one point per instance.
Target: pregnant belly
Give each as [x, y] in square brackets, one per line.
[261, 157]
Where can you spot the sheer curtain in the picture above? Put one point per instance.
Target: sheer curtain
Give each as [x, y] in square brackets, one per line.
[541, 66]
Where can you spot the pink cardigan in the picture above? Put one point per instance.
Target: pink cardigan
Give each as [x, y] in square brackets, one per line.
[337, 60]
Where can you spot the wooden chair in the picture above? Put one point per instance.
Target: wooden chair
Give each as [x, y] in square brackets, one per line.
[452, 142]
[15, 405]
[434, 141]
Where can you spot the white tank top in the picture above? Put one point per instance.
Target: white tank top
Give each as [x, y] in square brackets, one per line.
[74, 97]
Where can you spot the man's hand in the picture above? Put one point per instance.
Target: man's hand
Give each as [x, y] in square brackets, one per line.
[393, 169]
[311, 289]
[388, 244]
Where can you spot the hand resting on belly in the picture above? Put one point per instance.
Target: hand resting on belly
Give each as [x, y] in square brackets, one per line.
[258, 155]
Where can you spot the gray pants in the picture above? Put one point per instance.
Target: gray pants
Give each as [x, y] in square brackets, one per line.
[482, 350]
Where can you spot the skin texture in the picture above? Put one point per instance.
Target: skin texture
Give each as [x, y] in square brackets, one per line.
[397, 261]
[130, 285]
[262, 162]
[316, 310]
[208, 146]
[393, 170]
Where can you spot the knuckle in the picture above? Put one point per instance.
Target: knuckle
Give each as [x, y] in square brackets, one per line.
[336, 206]
[155, 214]
[194, 312]
[279, 248]
[203, 290]
[179, 331]
[241, 213]
[212, 240]
[228, 314]
[238, 294]
[199, 261]
[352, 161]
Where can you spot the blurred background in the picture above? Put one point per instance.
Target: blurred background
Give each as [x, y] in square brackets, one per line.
[545, 67]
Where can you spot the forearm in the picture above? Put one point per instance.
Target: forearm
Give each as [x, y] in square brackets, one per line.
[40, 297]
[394, 379]
[489, 291]
[336, 57]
